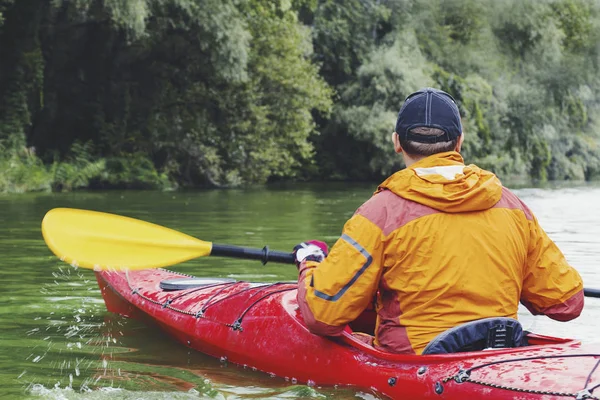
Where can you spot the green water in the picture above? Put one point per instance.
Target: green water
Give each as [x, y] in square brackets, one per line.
[59, 342]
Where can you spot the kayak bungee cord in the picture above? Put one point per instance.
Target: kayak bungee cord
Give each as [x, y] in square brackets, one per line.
[464, 375]
[196, 289]
[236, 325]
[262, 288]
[168, 306]
[208, 303]
[589, 377]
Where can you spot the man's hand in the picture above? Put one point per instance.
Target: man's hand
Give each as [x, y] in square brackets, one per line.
[312, 250]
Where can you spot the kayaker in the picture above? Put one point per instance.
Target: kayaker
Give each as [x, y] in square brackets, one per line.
[439, 244]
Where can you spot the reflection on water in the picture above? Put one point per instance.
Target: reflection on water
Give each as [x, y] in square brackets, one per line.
[60, 343]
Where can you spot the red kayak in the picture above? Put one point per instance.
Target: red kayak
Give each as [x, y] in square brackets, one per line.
[259, 325]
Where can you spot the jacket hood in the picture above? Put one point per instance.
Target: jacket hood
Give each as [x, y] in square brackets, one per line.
[442, 181]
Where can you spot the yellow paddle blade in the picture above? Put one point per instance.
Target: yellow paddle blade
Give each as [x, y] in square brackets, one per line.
[102, 241]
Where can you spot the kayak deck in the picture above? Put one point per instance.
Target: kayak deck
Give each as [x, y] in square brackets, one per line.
[259, 325]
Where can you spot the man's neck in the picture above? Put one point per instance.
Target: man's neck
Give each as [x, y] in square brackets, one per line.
[410, 160]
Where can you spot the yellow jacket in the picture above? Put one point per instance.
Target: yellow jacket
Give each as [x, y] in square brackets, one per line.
[439, 244]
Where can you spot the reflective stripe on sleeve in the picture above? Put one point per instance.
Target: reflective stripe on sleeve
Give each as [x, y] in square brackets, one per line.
[343, 290]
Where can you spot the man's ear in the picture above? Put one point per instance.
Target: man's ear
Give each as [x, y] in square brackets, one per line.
[396, 140]
[461, 139]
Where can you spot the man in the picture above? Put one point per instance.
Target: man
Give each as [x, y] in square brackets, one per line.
[439, 244]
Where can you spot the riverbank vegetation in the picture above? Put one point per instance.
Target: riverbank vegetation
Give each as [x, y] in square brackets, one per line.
[196, 93]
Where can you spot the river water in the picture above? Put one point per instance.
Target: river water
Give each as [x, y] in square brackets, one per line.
[59, 342]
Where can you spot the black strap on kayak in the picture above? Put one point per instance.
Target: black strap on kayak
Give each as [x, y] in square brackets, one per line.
[237, 324]
[208, 303]
[589, 378]
[197, 289]
[464, 375]
[258, 290]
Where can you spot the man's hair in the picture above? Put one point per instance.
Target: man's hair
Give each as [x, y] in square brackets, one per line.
[426, 149]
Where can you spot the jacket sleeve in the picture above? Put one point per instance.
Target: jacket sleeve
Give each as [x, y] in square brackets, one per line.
[550, 285]
[336, 291]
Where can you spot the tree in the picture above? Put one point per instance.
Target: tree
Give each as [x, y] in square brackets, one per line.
[209, 91]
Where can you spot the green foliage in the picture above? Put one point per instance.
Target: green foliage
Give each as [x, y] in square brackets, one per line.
[523, 73]
[344, 33]
[21, 72]
[22, 172]
[270, 138]
[204, 92]
[367, 111]
[167, 93]
[575, 158]
[228, 126]
[4, 4]
[136, 171]
[129, 15]
[575, 20]
[522, 26]
[77, 170]
[462, 19]
[446, 29]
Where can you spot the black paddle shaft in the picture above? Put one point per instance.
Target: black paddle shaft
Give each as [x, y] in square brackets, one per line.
[264, 254]
[591, 292]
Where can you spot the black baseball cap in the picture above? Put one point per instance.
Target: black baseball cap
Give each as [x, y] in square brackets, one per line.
[431, 108]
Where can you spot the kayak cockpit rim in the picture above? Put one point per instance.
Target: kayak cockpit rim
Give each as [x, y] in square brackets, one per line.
[544, 342]
[535, 342]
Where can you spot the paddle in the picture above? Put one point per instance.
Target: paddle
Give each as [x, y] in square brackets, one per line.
[587, 292]
[102, 241]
